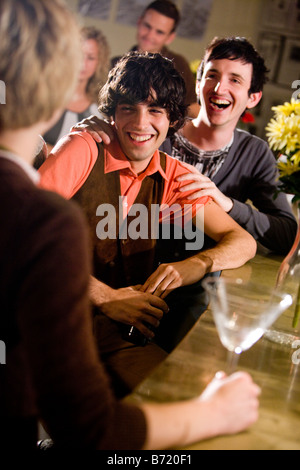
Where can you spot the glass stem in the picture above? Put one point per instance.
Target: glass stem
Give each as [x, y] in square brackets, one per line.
[232, 360]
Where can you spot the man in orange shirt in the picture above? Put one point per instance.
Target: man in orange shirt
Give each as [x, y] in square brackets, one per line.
[135, 273]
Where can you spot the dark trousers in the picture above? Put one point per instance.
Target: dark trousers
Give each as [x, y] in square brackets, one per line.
[127, 364]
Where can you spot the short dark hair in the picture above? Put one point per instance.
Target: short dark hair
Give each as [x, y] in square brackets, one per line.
[166, 8]
[237, 48]
[136, 76]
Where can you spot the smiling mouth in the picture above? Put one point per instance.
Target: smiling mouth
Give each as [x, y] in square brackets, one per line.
[219, 104]
[140, 138]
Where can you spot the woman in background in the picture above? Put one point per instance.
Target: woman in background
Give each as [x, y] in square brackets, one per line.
[92, 76]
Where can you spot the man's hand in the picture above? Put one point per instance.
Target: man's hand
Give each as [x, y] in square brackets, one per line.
[132, 307]
[205, 187]
[168, 277]
[100, 130]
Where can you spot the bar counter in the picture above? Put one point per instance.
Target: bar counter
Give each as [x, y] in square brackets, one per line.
[274, 367]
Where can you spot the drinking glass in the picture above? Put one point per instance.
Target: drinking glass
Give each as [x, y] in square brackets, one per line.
[242, 312]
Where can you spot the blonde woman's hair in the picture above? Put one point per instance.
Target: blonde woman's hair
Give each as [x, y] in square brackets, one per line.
[39, 60]
[96, 82]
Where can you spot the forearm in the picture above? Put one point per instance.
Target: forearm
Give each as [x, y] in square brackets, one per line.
[179, 424]
[232, 251]
[228, 405]
[267, 217]
[100, 293]
[276, 231]
[234, 246]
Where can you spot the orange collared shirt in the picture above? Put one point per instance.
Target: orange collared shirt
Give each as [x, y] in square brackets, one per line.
[130, 182]
[72, 159]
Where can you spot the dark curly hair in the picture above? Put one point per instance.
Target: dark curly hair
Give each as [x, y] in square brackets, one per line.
[138, 76]
[237, 48]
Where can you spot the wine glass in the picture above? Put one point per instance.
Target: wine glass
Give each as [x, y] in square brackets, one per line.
[242, 312]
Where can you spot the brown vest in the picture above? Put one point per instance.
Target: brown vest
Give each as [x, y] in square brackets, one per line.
[119, 260]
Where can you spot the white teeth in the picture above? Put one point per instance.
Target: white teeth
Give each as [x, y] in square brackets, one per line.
[220, 101]
[140, 138]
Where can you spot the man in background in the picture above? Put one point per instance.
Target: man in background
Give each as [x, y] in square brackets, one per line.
[156, 29]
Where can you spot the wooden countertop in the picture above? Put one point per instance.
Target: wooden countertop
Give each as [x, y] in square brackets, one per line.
[200, 355]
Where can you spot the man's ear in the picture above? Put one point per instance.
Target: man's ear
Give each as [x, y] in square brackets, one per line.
[254, 99]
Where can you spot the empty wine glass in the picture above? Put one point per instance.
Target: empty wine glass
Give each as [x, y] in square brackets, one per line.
[242, 312]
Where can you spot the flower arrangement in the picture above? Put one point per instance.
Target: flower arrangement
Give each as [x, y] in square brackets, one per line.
[283, 132]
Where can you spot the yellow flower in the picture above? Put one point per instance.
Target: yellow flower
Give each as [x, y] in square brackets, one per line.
[296, 159]
[194, 65]
[288, 109]
[287, 168]
[284, 133]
